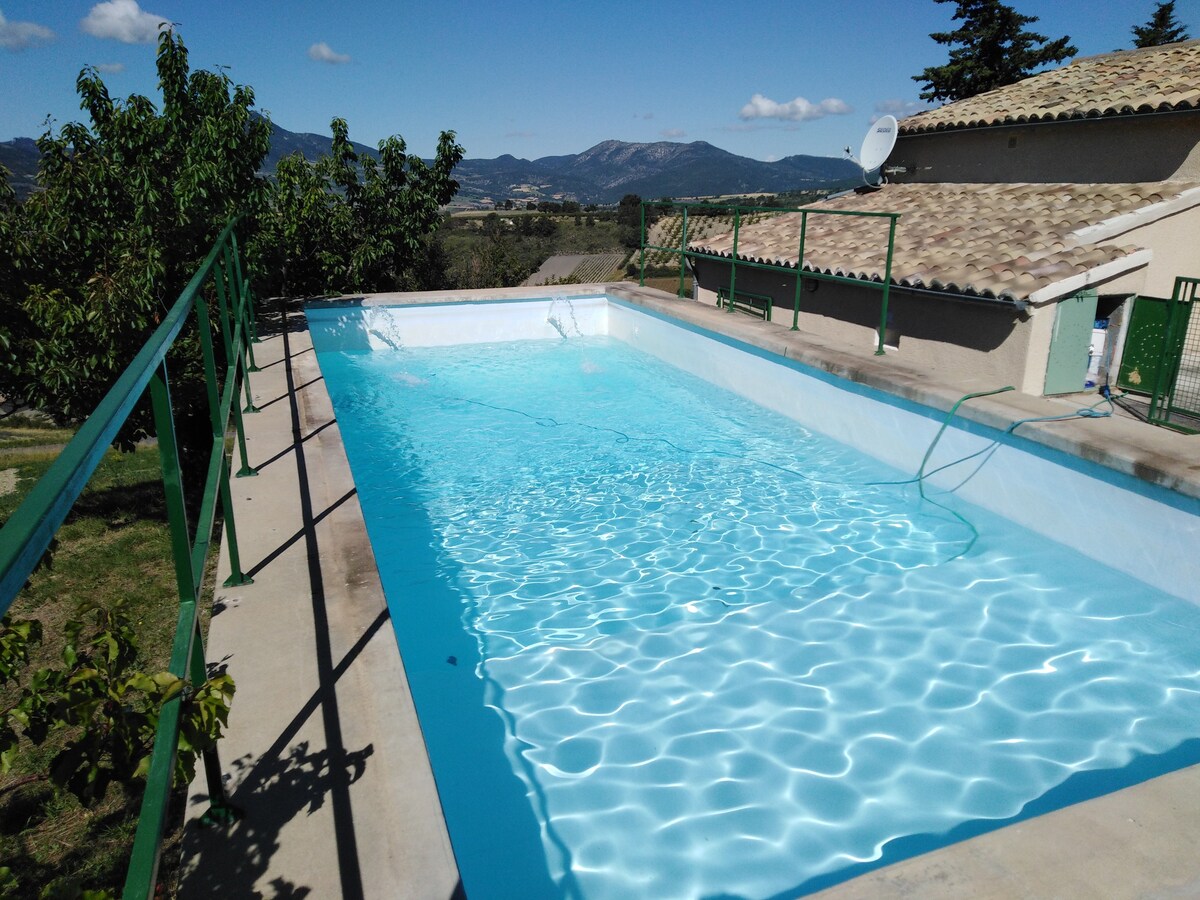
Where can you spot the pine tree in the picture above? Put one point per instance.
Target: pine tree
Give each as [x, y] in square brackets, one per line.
[990, 50]
[1163, 28]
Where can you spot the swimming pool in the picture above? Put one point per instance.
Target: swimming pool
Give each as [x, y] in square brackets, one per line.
[664, 642]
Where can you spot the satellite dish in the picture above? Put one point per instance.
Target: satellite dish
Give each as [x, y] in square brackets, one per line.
[878, 144]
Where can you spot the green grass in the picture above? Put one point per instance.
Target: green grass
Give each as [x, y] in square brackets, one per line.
[114, 545]
[670, 285]
[465, 242]
[599, 238]
[22, 435]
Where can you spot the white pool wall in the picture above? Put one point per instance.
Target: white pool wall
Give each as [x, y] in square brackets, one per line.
[1073, 502]
[388, 327]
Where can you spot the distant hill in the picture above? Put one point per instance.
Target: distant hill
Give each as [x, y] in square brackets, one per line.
[284, 143]
[611, 169]
[20, 157]
[603, 174]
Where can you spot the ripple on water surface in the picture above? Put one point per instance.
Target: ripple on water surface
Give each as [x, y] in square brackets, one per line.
[725, 662]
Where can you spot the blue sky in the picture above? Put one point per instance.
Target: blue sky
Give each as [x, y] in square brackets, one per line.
[532, 78]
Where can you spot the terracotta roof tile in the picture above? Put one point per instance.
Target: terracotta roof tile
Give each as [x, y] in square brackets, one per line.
[1128, 82]
[991, 240]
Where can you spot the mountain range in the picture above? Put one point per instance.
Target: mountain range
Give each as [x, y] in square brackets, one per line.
[611, 169]
[602, 174]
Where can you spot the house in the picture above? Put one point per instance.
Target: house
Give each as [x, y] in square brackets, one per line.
[1026, 214]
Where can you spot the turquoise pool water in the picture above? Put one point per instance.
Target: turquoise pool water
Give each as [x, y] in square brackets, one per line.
[664, 643]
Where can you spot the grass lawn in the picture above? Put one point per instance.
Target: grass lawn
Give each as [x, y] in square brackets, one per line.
[114, 545]
[669, 284]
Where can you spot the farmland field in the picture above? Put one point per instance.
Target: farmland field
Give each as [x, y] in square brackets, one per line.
[578, 268]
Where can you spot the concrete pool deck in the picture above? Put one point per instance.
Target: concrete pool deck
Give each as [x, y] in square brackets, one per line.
[325, 755]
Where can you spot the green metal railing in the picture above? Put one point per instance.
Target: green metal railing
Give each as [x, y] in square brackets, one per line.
[799, 271]
[31, 528]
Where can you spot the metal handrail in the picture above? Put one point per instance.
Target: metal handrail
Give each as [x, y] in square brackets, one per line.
[28, 533]
[805, 211]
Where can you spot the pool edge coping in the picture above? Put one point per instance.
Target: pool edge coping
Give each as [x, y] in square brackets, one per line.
[398, 844]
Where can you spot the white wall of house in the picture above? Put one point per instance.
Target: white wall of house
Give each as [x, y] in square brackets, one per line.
[1118, 150]
[1175, 244]
[973, 343]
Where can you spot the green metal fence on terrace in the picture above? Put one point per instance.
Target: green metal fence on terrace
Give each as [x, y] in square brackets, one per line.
[737, 211]
[26, 536]
[1162, 356]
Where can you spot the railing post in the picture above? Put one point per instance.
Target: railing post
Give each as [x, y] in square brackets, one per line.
[238, 299]
[737, 224]
[143, 864]
[210, 365]
[168, 451]
[799, 271]
[220, 810]
[236, 575]
[683, 251]
[887, 283]
[232, 360]
[249, 297]
[642, 258]
[233, 355]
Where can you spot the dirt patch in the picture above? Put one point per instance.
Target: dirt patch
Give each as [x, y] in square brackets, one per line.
[8, 481]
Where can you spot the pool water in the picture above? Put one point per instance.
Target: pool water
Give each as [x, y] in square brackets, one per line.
[664, 643]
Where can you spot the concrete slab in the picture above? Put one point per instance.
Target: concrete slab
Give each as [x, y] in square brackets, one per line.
[324, 751]
[1135, 844]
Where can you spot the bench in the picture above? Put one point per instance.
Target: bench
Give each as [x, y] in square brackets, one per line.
[745, 301]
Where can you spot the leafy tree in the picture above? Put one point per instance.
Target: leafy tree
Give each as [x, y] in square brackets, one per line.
[1163, 28]
[629, 220]
[498, 260]
[101, 708]
[105, 703]
[349, 222]
[543, 226]
[129, 206]
[990, 49]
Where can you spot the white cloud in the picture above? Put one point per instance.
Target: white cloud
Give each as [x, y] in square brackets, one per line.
[322, 52]
[110, 68]
[19, 35]
[798, 110]
[124, 21]
[899, 108]
[671, 133]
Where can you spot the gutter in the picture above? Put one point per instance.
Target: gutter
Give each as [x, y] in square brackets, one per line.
[1064, 120]
[856, 281]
